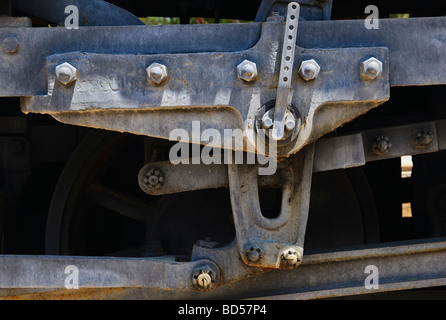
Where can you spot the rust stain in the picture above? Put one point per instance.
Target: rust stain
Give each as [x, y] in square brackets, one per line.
[79, 294]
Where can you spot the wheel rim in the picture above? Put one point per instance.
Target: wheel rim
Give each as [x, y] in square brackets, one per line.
[96, 183]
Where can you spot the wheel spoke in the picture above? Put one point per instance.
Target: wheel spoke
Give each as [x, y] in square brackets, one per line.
[121, 202]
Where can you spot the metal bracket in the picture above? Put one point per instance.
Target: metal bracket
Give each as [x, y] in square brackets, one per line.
[272, 242]
[284, 90]
[115, 98]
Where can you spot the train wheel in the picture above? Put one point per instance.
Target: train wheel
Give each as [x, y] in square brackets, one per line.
[99, 209]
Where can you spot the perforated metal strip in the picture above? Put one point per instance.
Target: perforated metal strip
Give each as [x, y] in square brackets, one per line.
[286, 69]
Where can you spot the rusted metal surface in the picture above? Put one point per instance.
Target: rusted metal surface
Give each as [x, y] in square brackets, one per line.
[148, 81]
[80, 294]
[405, 265]
[101, 97]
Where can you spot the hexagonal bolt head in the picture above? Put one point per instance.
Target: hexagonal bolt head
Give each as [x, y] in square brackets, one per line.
[247, 71]
[423, 139]
[66, 73]
[381, 145]
[309, 69]
[371, 68]
[291, 258]
[154, 179]
[157, 73]
[205, 277]
[267, 120]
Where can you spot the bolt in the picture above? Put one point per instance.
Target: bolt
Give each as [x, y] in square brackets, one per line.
[204, 280]
[154, 179]
[267, 120]
[253, 254]
[423, 139]
[381, 145]
[309, 69]
[10, 45]
[247, 71]
[291, 258]
[205, 277]
[66, 73]
[157, 73]
[371, 68]
[290, 122]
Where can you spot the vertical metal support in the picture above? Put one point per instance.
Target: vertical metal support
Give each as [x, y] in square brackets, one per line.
[276, 242]
[284, 91]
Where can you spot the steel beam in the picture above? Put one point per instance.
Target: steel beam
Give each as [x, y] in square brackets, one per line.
[406, 39]
[123, 99]
[332, 153]
[409, 64]
[49, 272]
[399, 266]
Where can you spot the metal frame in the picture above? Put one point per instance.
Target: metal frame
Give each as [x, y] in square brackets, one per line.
[187, 90]
[405, 265]
[141, 75]
[332, 153]
[319, 101]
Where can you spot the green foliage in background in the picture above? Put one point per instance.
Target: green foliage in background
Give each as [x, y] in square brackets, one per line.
[399, 15]
[153, 21]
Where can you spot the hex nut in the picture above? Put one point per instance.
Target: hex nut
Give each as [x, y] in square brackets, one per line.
[247, 71]
[309, 69]
[154, 179]
[205, 277]
[267, 120]
[254, 254]
[66, 73]
[371, 68]
[157, 73]
[423, 139]
[291, 258]
[381, 145]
